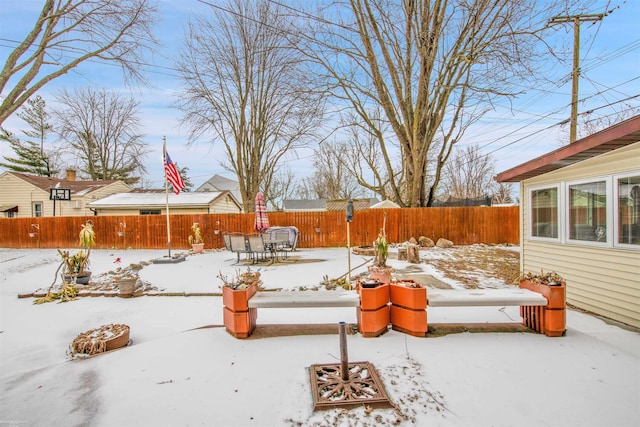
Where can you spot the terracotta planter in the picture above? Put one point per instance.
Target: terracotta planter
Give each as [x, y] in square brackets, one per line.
[120, 340]
[240, 324]
[373, 323]
[382, 274]
[372, 298]
[555, 295]
[408, 294]
[237, 300]
[550, 320]
[197, 248]
[412, 322]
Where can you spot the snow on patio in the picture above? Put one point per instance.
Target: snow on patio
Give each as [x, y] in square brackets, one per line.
[178, 371]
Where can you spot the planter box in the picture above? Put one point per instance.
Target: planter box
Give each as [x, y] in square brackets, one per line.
[556, 295]
[237, 300]
[413, 298]
[412, 322]
[373, 323]
[240, 324]
[373, 298]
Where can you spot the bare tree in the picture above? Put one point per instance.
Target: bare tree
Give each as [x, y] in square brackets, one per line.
[331, 178]
[68, 33]
[246, 85]
[31, 154]
[468, 174]
[101, 128]
[433, 67]
[503, 193]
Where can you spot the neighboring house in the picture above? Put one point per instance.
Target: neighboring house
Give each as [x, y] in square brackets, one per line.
[580, 217]
[154, 203]
[25, 195]
[321, 205]
[385, 204]
[219, 183]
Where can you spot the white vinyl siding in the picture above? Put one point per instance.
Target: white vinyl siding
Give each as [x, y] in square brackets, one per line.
[603, 277]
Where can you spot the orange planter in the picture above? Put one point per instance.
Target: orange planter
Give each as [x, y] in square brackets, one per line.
[239, 319]
[550, 320]
[237, 300]
[373, 298]
[414, 298]
[412, 322]
[240, 324]
[373, 323]
[555, 295]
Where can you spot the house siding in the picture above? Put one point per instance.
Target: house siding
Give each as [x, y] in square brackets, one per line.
[601, 279]
[20, 193]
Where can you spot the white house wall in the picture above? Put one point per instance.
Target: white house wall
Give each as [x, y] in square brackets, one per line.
[604, 280]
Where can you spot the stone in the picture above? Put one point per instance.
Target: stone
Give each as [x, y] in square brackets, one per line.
[425, 242]
[402, 254]
[413, 254]
[444, 243]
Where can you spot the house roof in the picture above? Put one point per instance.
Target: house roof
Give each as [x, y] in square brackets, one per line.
[385, 204]
[76, 187]
[305, 205]
[612, 138]
[136, 199]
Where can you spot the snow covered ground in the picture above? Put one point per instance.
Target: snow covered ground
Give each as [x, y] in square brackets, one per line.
[177, 373]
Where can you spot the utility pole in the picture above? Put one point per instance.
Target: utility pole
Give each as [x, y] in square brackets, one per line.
[576, 19]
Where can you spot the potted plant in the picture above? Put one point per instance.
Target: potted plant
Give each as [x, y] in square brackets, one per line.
[380, 270]
[237, 290]
[76, 266]
[196, 241]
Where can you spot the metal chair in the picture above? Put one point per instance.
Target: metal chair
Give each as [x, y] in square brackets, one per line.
[257, 248]
[238, 244]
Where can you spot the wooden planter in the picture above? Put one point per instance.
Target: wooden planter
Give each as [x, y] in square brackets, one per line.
[408, 294]
[412, 322]
[239, 319]
[550, 320]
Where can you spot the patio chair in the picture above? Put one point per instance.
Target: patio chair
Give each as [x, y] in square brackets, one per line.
[257, 248]
[238, 244]
[226, 238]
[283, 237]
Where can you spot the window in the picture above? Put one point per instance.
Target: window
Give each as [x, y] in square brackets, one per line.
[37, 209]
[150, 212]
[544, 212]
[628, 214]
[588, 211]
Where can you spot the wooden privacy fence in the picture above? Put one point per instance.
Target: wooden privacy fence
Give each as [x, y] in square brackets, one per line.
[462, 225]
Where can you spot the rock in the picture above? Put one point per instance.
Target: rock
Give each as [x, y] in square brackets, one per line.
[413, 241]
[425, 242]
[413, 254]
[402, 254]
[444, 243]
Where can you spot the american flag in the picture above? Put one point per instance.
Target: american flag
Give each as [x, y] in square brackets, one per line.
[172, 174]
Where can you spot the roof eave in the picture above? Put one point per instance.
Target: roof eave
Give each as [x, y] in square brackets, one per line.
[614, 137]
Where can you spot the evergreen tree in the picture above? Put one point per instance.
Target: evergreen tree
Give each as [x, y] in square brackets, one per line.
[31, 156]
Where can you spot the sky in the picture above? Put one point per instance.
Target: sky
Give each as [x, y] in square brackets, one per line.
[183, 369]
[512, 134]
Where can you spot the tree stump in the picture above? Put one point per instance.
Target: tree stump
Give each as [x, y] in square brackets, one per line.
[413, 254]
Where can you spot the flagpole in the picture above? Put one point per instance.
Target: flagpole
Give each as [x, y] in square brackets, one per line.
[166, 191]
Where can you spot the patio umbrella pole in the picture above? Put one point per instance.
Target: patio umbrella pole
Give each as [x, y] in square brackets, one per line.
[344, 357]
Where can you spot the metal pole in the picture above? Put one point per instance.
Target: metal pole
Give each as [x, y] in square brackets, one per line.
[166, 192]
[348, 256]
[344, 357]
